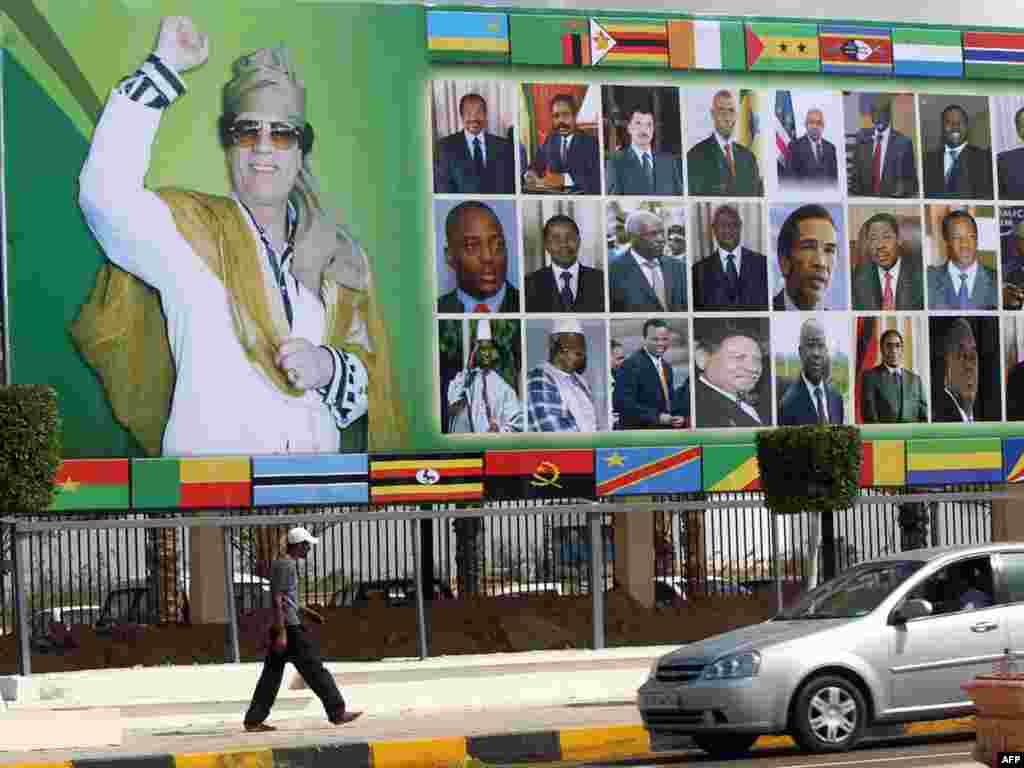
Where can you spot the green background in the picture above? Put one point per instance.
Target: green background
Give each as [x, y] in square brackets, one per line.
[367, 72]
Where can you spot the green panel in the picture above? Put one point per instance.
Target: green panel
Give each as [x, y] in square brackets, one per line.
[92, 497]
[994, 71]
[538, 39]
[965, 445]
[156, 483]
[719, 460]
[52, 260]
[920, 36]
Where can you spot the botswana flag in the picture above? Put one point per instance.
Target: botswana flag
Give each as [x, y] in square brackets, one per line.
[427, 479]
[315, 478]
[565, 474]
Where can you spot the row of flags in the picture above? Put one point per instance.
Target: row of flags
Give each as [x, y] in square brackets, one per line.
[507, 476]
[730, 46]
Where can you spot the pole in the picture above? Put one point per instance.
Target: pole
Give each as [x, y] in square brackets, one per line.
[19, 548]
[421, 621]
[229, 584]
[828, 545]
[775, 562]
[596, 520]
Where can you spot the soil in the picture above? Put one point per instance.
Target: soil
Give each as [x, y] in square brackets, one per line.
[375, 630]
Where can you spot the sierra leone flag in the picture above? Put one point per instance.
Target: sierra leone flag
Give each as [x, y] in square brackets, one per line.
[927, 52]
[315, 478]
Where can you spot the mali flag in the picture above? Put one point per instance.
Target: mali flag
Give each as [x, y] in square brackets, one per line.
[567, 474]
[776, 47]
[92, 484]
[190, 483]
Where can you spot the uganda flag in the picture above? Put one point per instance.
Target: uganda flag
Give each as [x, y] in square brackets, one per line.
[432, 479]
[567, 474]
[731, 468]
[777, 47]
[629, 43]
[1013, 459]
[191, 483]
[883, 462]
[92, 484]
[642, 471]
[550, 40]
[311, 478]
[860, 50]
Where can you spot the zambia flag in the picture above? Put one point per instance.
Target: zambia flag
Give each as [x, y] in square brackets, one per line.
[550, 40]
[776, 47]
[567, 474]
[436, 478]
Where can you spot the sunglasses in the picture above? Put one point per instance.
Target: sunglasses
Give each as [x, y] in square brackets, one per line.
[246, 134]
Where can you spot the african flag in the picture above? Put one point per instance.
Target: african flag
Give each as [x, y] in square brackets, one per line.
[629, 43]
[883, 462]
[426, 479]
[550, 40]
[776, 47]
[731, 468]
[951, 462]
[168, 483]
[640, 471]
[92, 484]
[565, 474]
[855, 50]
[1013, 459]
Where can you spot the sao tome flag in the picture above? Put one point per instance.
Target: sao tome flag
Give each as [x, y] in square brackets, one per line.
[776, 47]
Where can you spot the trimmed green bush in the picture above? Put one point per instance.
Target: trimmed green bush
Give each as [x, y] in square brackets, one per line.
[809, 468]
[29, 447]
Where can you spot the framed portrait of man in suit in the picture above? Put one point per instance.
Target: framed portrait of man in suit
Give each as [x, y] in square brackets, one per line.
[651, 387]
[965, 369]
[475, 150]
[1011, 251]
[881, 144]
[559, 126]
[885, 256]
[649, 273]
[642, 134]
[732, 372]
[956, 152]
[730, 268]
[961, 247]
[563, 255]
[891, 369]
[1013, 364]
[725, 150]
[812, 368]
[809, 149]
[808, 263]
[1008, 145]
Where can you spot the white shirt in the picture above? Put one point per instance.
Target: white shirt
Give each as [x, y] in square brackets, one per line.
[574, 277]
[811, 389]
[470, 137]
[895, 272]
[954, 276]
[949, 156]
[964, 415]
[747, 408]
[222, 403]
[724, 142]
[576, 396]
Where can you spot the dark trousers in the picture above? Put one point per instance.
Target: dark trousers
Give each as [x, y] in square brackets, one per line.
[304, 655]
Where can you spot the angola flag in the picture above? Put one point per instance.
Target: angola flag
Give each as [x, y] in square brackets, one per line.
[429, 479]
[567, 474]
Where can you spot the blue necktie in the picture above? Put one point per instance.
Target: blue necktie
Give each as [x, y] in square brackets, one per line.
[962, 293]
[478, 158]
[951, 176]
[566, 293]
[732, 277]
[649, 172]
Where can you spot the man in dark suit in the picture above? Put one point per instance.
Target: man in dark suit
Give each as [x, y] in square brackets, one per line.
[643, 387]
[568, 160]
[1012, 247]
[719, 165]
[637, 169]
[732, 277]
[962, 282]
[883, 159]
[811, 399]
[891, 393]
[1015, 393]
[644, 278]
[957, 169]
[954, 399]
[813, 157]
[565, 285]
[475, 250]
[473, 161]
[807, 248]
[888, 282]
[730, 360]
[1010, 165]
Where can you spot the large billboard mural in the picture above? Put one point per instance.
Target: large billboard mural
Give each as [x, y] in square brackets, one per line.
[287, 231]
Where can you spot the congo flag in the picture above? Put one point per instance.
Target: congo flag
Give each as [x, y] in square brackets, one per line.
[567, 474]
[731, 468]
[643, 471]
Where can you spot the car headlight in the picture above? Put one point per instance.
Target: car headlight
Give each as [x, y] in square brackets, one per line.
[738, 665]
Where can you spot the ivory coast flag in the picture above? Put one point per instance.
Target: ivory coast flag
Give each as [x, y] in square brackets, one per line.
[702, 44]
[731, 468]
[777, 47]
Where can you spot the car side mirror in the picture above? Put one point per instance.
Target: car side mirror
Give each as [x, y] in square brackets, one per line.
[911, 609]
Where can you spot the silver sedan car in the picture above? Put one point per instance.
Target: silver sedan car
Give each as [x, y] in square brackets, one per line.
[888, 641]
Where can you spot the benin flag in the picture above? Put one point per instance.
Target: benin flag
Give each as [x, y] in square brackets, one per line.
[435, 478]
[883, 462]
[775, 47]
[567, 474]
[629, 43]
[92, 484]
[700, 44]
[191, 483]
[549, 40]
[731, 468]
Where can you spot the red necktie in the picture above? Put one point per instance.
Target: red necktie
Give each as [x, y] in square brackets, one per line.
[876, 167]
[481, 307]
[729, 159]
[887, 301]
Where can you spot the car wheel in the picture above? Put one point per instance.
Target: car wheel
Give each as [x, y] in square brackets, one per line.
[829, 716]
[725, 744]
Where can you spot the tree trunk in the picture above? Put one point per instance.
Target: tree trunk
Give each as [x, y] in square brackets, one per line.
[469, 554]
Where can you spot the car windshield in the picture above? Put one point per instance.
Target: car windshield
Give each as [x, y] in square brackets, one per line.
[854, 593]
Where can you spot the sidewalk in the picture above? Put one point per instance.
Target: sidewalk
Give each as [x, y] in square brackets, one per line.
[539, 707]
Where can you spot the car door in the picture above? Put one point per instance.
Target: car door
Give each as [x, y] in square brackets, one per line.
[1010, 583]
[930, 657]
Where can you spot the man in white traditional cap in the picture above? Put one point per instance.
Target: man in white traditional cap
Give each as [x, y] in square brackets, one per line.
[289, 642]
[479, 399]
[240, 324]
[558, 398]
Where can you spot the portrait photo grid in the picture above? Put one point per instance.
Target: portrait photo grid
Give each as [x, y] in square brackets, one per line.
[624, 257]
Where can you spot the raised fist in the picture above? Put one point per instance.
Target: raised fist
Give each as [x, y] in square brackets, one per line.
[180, 44]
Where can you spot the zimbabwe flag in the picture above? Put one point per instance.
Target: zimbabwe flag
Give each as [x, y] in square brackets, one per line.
[435, 478]
[567, 474]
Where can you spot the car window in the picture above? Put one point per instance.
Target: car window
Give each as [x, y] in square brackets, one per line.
[1013, 572]
[854, 593]
[965, 585]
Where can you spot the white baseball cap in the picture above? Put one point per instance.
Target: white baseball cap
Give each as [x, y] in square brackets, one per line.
[299, 535]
